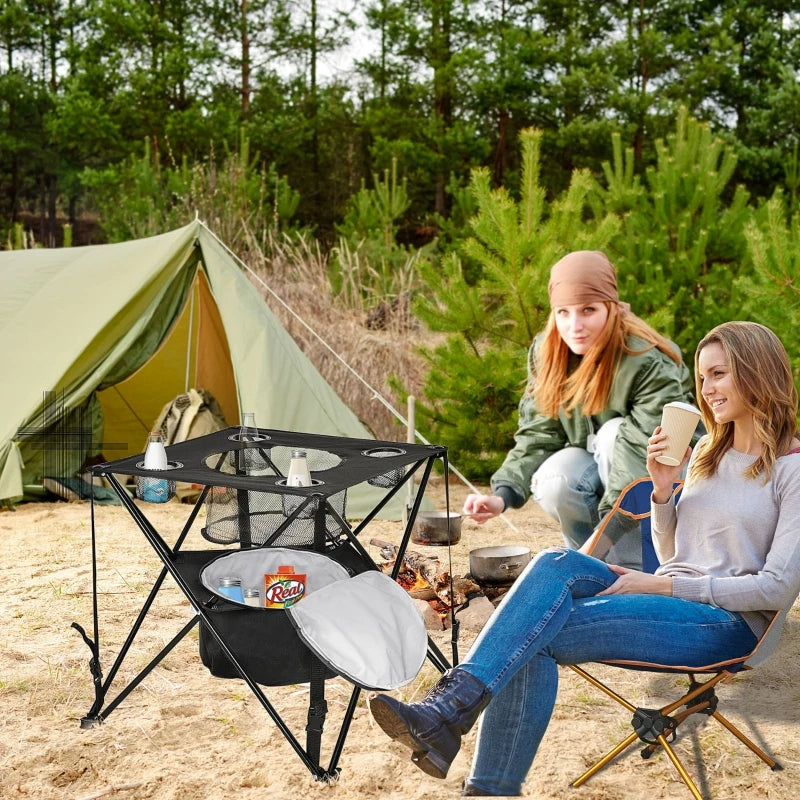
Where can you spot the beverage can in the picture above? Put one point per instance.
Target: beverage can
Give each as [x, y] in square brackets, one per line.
[231, 588]
[284, 588]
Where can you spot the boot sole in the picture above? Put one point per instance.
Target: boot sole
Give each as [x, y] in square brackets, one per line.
[392, 725]
[429, 761]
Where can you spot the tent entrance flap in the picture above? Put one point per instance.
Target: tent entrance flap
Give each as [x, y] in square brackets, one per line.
[195, 347]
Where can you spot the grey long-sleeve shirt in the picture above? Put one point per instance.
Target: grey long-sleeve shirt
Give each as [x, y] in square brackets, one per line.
[734, 542]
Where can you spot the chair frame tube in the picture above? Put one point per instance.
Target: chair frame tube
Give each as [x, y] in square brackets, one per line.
[707, 705]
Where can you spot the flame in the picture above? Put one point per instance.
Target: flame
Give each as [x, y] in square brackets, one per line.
[410, 579]
[419, 581]
[442, 609]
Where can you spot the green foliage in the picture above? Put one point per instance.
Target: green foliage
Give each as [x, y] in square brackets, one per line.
[237, 197]
[791, 170]
[476, 377]
[770, 293]
[445, 87]
[377, 210]
[473, 414]
[682, 241]
[368, 266]
[17, 239]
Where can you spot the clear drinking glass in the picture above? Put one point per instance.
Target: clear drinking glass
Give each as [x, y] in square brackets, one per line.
[248, 430]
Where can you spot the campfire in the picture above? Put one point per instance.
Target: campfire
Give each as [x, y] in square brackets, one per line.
[411, 580]
[425, 579]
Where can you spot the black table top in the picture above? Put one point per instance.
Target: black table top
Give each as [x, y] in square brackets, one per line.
[206, 460]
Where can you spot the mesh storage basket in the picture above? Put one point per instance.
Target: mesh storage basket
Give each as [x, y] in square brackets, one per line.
[156, 490]
[253, 518]
[389, 479]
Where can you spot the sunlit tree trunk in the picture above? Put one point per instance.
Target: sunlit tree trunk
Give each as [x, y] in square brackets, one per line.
[245, 62]
[441, 57]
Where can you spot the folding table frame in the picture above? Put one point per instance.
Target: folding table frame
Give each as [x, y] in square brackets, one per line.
[200, 461]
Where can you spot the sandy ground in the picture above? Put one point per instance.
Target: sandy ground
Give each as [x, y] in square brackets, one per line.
[186, 735]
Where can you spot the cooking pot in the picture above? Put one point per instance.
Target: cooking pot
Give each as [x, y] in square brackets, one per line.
[498, 564]
[430, 527]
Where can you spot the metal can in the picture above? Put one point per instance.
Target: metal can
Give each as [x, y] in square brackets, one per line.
[232, 588]
[252, 597]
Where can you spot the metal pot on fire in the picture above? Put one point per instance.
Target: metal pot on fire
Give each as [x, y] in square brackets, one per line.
[499, 563]
[431, 528]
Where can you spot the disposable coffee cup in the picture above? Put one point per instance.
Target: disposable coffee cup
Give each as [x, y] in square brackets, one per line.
[678, 421]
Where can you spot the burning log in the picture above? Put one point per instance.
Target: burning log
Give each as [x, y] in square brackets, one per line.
[419, 572]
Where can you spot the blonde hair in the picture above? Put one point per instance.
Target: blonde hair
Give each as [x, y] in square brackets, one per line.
[761, 373]
[589, 385]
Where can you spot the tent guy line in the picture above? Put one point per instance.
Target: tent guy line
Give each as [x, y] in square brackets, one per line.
[376, 394]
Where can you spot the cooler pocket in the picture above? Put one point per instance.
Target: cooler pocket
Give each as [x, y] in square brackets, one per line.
[263, 640]
[367, 629]
[250, 566]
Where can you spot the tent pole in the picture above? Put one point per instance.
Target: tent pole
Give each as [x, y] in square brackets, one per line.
[410, 413]
[189, 336]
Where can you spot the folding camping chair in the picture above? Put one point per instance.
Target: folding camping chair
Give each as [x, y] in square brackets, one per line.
[657, 727]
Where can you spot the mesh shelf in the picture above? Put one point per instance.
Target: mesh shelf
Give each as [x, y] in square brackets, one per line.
[252, 517]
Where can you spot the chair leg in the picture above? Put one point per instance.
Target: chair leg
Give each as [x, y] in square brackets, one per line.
[678, 766]
[770, 762]
[627, 742]
[660, 739]
[699, 699]
[607, 758]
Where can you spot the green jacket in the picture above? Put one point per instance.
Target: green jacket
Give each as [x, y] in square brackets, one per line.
[642, 385]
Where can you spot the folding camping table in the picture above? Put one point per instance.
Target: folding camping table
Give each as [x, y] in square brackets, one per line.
[250, 507]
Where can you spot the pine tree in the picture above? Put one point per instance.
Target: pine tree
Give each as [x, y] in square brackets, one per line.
[682, 241]
[478, 373]
[770, 293]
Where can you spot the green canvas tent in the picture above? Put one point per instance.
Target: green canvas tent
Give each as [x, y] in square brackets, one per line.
[117, 331]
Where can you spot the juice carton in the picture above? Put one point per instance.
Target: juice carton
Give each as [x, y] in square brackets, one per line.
[284, 588]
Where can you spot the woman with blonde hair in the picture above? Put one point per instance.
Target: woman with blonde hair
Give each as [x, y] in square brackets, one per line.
[729, 564]
[598, 377]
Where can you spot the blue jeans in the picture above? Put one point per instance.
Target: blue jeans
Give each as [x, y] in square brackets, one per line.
[569, 484]
[550, 617]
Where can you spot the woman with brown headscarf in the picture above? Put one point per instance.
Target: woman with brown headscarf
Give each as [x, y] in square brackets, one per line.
[598, 379]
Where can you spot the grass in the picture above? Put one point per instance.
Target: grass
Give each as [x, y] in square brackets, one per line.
[297, 271]
[15, 686]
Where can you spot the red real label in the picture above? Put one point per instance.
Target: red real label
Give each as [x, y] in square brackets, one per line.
[281, 591]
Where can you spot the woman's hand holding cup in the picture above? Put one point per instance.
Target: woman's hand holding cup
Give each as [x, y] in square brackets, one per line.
[668, 448]
[663, 475]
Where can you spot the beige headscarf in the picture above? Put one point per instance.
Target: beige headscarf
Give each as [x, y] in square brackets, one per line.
[583, 276]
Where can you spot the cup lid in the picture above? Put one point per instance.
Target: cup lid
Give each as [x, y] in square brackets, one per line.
[684, 406]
